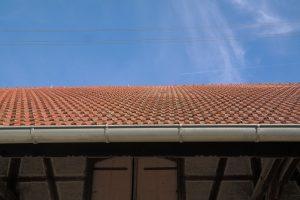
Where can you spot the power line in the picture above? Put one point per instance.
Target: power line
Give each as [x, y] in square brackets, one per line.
[149, 29]
[240, 68]
[142, 40]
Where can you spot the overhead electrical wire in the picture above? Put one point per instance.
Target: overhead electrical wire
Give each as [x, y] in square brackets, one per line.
[143, 40]
[143, 29]
[260, 66]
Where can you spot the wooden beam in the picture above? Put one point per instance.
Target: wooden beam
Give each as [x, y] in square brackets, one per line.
[274, 176]
[13, 172]
[256, 169]
[225, 178]
[110, 168]
[296, 177]
[134, 171]
[222, 149]
[287, 171]
[273, 187]
[88, 182]
[50, 179]
[5, 193]
[181, 191]
[268, 173]
[218, 179]
[44, 178]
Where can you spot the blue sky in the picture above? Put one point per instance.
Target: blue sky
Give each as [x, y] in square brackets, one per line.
[148, 42]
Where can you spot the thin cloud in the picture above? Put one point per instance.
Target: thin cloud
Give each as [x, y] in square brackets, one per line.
[263, 14]
[220, 55]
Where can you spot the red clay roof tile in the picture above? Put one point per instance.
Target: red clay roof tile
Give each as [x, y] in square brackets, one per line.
[205, 104]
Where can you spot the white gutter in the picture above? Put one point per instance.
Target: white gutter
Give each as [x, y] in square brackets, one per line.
[154, 133]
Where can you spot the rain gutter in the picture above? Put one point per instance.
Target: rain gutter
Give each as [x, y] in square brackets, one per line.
[151, 133]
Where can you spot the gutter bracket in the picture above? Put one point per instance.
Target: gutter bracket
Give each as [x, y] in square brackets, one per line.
[180, 136]
[257, 138]
[32, 135]
[106, 136]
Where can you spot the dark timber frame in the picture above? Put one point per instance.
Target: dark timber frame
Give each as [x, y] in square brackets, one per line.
[13, 171]
[256, 169]
[50, 179]
[274, 175]
[5, 193]
[268, 181]
[9, 191]
[218, 178]
[88, 180]
[227, 149]
[181, 191]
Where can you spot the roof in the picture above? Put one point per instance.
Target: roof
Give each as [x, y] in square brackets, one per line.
[192, 104]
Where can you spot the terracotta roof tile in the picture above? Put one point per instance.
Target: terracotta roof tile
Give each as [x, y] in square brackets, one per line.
[205, 104]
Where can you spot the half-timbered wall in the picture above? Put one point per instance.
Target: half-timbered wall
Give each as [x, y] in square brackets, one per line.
[139, 178]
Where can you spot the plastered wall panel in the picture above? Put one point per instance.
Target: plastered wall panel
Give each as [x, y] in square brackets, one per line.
[205, 166]
[32, 166]
[198, 190]
[235, 190]
[3, 166]
[238, 166]
[69, 166]
[34, 191]
[70, 190]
